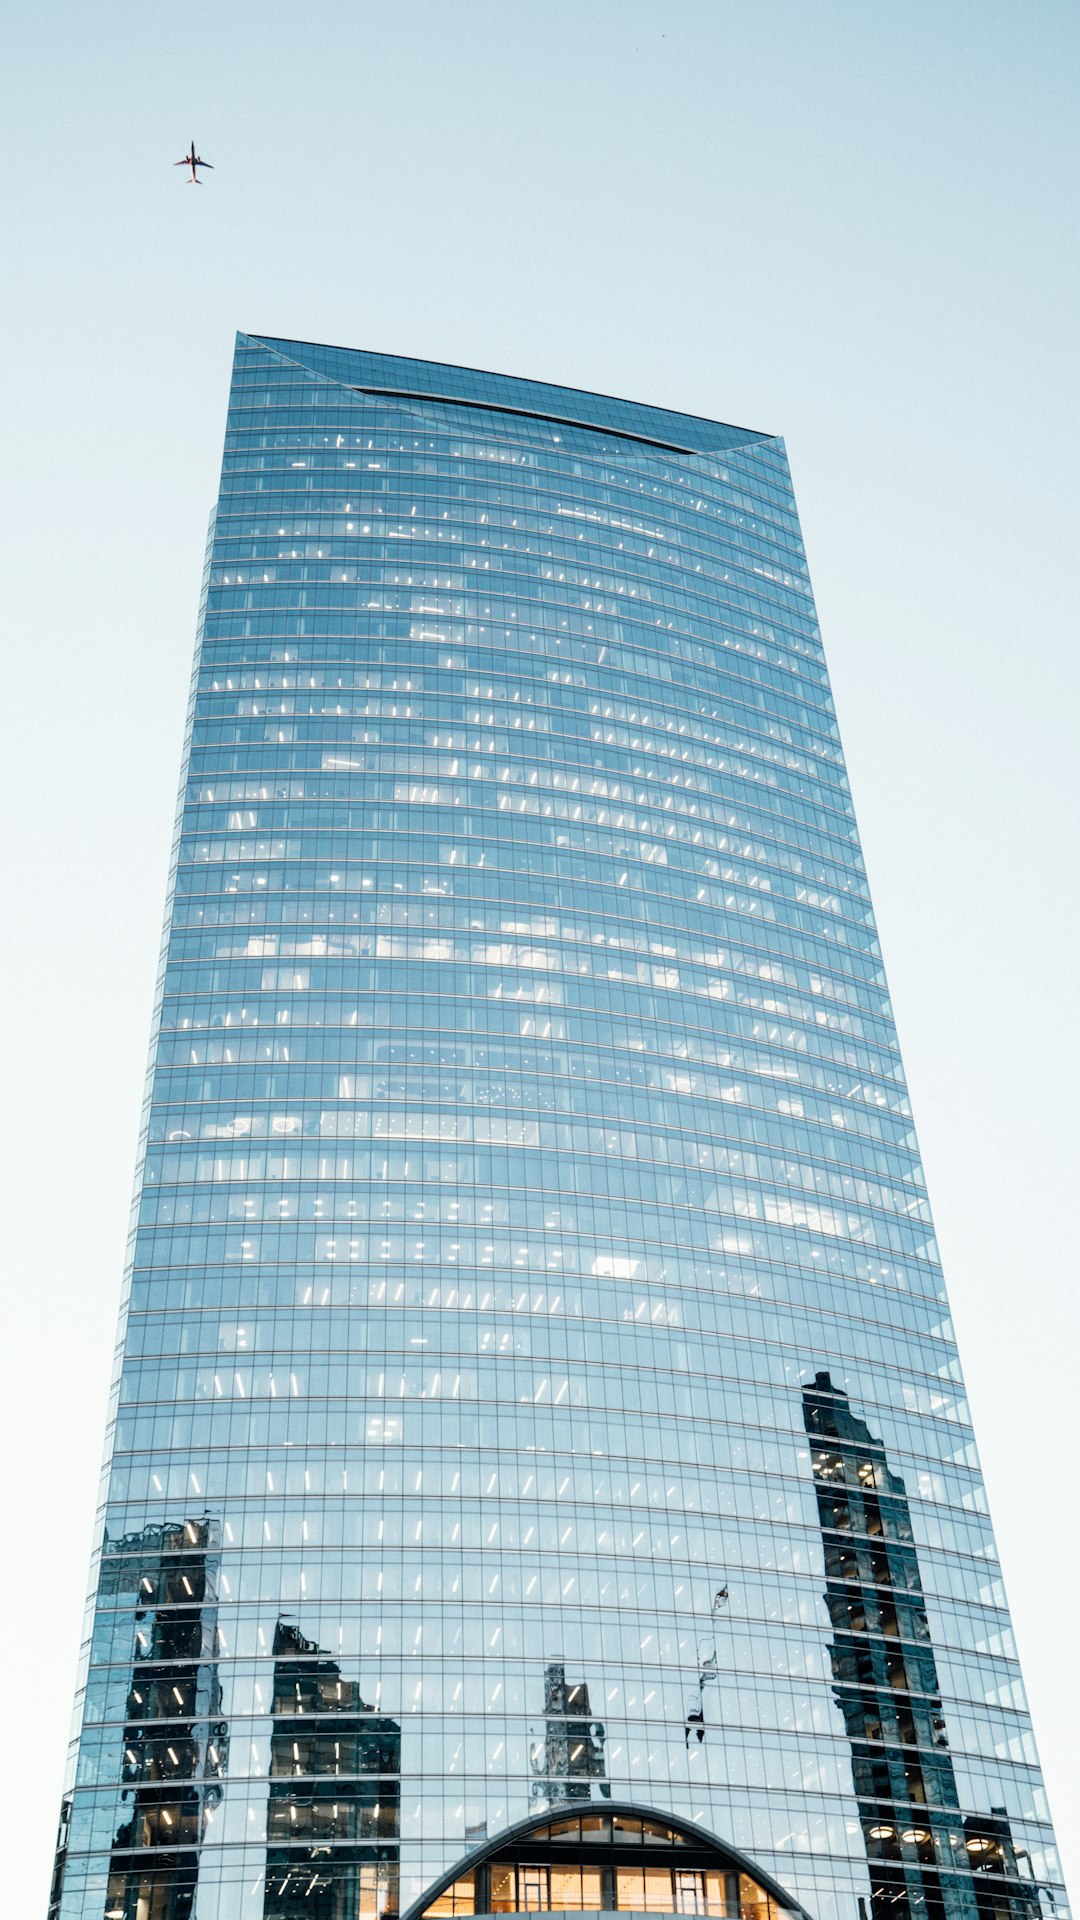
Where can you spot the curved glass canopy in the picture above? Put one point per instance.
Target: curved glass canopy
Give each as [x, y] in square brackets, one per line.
[618, 1859]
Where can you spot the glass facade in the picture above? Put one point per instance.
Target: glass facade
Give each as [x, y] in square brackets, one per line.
[538, 1475]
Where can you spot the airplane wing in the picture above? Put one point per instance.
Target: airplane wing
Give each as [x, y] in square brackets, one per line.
[204, 163]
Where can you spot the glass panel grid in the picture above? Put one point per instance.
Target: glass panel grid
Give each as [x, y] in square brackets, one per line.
[538, 1388]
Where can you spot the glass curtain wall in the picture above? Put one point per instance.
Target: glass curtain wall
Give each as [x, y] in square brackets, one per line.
[532, 1259]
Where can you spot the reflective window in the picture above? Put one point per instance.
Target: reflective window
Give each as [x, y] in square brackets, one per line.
[526, 1147]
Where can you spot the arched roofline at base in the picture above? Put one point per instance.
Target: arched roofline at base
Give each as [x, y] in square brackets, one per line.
[492, 1849]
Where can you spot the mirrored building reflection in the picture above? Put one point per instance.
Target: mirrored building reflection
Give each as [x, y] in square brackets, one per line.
[925, 1856]
[568, 1755]
[525, 1110]
[157, 1596]
[335, 1792]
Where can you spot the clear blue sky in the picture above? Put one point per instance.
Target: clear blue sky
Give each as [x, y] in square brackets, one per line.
[850, 221]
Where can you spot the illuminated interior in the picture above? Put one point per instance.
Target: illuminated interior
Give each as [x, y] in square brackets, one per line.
[607, 1862]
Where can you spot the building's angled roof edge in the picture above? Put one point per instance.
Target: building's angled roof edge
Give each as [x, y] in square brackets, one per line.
[749, 435]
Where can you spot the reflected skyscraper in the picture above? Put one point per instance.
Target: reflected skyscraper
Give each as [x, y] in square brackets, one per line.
[157, 1731]
[527, 1202]
[335, 1770]
[924, 1857]
[568, 1755]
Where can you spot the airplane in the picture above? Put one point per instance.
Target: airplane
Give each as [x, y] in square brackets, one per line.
[192, 160]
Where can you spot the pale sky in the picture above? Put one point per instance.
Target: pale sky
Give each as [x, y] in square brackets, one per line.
[849, 221]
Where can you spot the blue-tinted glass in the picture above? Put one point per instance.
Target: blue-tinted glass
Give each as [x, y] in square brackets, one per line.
[538, 1407]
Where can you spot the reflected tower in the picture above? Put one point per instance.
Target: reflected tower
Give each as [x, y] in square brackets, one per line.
[925, 1857]
[525, 1112]
[161, 1734]
[335, 1792]
[568, 1755]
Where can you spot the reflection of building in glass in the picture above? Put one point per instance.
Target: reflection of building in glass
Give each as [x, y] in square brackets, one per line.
[925, 1856]
[569, 1755]
[335, 1792]
[1001, 1891]
[56, 1885]
[525, 1107]
[174, 1740]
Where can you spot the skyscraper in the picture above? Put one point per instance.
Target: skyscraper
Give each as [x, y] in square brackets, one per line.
[540, 1476]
